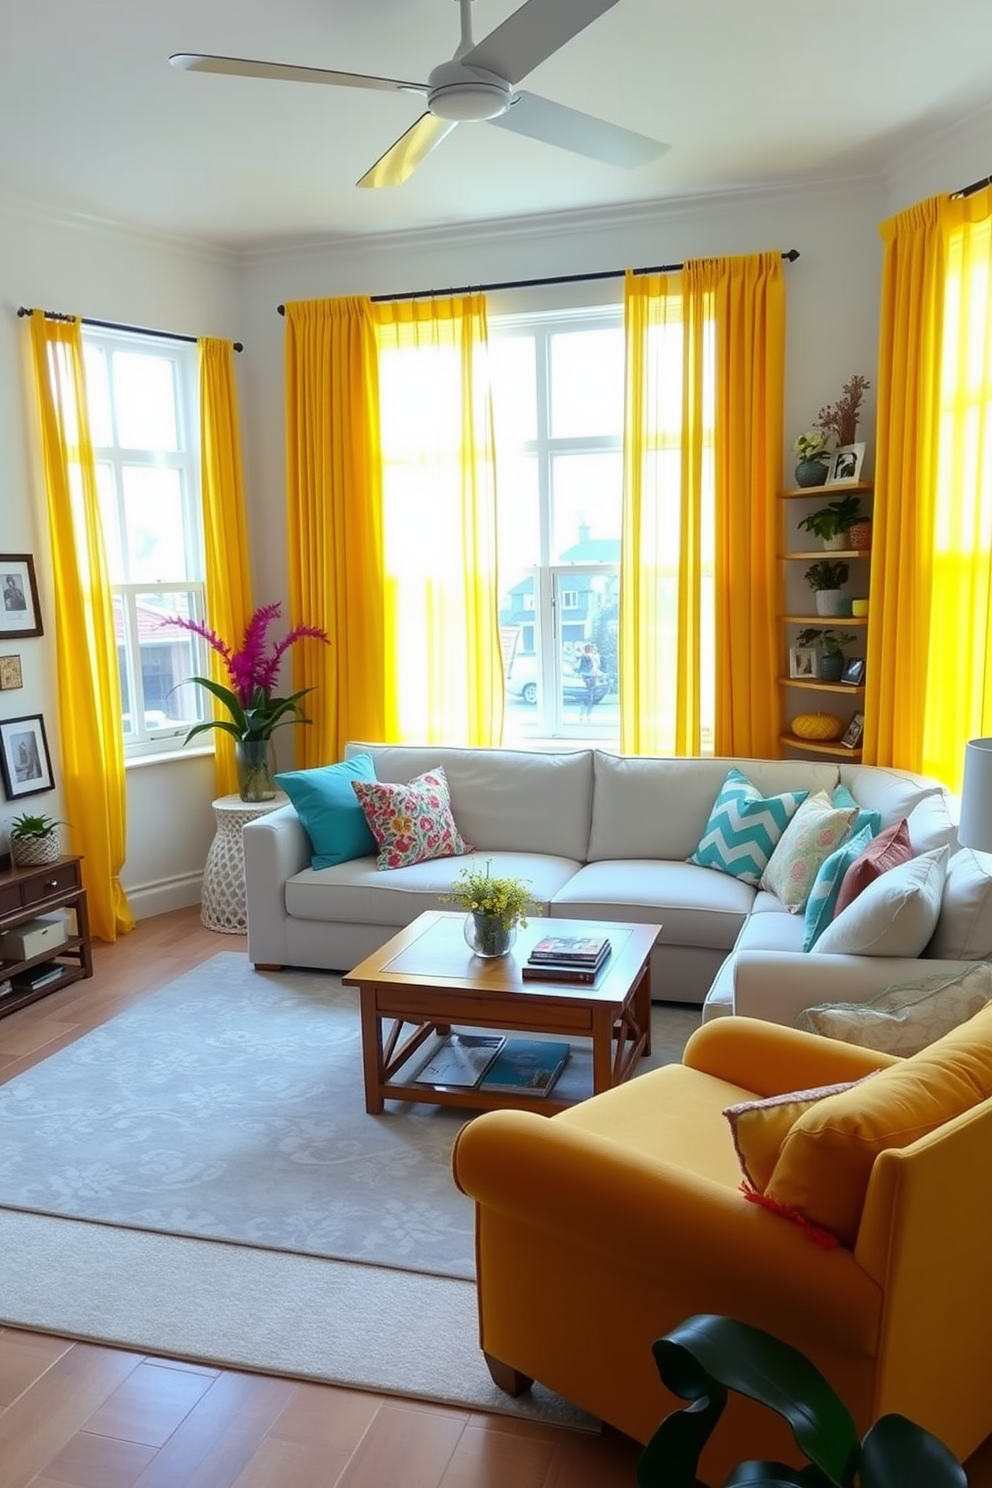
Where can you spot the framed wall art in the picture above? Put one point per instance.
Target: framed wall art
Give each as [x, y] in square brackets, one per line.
[845, 465]
[20, 612]
[10, 673]
[25, 763]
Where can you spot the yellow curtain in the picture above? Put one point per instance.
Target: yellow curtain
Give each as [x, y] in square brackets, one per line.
[440, 601]
[702, 462]
[745, 300]
[228, 573]
[908, 416]
[90, 730]
[959, 656]
[334, 501]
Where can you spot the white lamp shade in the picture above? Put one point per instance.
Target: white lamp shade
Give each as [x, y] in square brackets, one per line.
[975, 829]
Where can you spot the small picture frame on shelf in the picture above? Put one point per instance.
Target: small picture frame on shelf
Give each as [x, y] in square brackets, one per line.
[852, 735]
[845, 465]
[25, 763]
[802, 662]
[854, 671]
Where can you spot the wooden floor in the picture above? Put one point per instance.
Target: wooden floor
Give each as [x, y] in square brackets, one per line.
[90, 1417]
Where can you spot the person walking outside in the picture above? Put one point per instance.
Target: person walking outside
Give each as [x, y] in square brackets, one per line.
[591, 675]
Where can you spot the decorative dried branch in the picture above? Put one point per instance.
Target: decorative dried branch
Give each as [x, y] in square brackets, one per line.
[841, 418]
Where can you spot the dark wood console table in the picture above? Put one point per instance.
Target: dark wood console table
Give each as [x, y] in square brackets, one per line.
[28, 892]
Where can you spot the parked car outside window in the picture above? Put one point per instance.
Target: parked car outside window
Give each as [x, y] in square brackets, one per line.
[522, 682]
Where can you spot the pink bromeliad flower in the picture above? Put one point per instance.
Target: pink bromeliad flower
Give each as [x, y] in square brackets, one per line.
[253, 670]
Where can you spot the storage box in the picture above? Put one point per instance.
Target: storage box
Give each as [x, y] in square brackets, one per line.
[34, 937]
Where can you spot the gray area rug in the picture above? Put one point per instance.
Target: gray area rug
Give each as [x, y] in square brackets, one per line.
[229, 1106]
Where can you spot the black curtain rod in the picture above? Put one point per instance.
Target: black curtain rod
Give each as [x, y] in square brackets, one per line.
[970, 190]
[113, 325]
[425, 294]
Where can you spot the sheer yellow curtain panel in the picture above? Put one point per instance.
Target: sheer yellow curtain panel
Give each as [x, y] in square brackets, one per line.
[908, 420]
[334, 523]
[228, 574]
[737, 309]
[959, 659]
[440, 599]
[90, 728]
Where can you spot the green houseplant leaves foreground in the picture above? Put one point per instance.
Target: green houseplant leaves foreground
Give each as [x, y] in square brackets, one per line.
[707, 1356]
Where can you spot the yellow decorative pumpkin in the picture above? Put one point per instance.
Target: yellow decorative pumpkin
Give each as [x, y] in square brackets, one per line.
[819, 726]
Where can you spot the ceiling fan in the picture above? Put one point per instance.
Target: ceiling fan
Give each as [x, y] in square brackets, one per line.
[477, 85]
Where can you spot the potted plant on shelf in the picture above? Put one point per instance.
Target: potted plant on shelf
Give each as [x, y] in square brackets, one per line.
[34, 840]
[496, 906]
[830, 663]
[825, 578]
[811, 447]
[830, 523]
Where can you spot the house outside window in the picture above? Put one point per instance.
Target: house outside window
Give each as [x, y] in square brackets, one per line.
[558, 386]
[144, 423]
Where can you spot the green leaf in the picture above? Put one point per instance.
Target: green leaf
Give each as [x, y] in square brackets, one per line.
[776, 1475]
[671, 1457]
[897, 1453]
[709, 1348]
[227, 697]
[217, 723]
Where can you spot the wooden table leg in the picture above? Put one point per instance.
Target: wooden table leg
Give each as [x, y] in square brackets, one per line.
[371, 1051]
[641, 1002]
[602, 1049]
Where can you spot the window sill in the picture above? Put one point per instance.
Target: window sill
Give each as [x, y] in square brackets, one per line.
[167, 757]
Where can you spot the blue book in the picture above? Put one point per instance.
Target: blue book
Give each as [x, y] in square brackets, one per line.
[526, 1067]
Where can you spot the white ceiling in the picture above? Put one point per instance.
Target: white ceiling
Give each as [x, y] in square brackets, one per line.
[747, 92]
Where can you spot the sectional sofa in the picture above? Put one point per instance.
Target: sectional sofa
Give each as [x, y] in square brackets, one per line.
[604, 836]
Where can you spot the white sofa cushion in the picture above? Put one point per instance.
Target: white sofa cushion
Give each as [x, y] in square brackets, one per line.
[504, 800]
[817, 828]
[693, 905]
[904, 1019]
[892, 793]
[964, 928]
[896, 915]
[655, 807]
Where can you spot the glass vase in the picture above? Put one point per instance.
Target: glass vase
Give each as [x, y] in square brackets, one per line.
[254, 759]
[488, 936]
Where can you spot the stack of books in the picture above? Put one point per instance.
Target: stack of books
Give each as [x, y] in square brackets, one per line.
[567, 958]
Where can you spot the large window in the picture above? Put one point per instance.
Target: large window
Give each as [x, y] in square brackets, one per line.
[558, 385]
[142, 405]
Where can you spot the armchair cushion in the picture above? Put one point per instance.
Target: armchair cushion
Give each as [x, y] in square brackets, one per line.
[759, 1127]
[826, 1158]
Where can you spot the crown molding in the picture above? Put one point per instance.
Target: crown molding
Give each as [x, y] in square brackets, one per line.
[45, 214]
[584, 221]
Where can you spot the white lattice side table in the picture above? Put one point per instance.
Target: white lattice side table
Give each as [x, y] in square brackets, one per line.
[223, 900]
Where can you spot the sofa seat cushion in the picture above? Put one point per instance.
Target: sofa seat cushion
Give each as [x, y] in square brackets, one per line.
[695, 906]
[672, 1115]
[779, 931]
[359, 893]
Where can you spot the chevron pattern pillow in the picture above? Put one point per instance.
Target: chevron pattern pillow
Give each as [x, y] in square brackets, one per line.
[744, 827]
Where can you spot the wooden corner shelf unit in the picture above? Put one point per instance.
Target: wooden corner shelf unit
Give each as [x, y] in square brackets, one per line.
[28, 892]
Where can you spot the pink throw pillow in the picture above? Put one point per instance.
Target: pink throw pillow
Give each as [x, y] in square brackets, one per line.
[411, 823]
[887, 850]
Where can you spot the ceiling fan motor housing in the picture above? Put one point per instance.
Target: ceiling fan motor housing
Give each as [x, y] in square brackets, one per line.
[467, 94]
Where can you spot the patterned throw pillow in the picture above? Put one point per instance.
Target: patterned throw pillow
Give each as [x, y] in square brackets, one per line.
[744, 827]
[841, 796]
[812, 834]
[826, 885]
[411, 823]
[904, 1019]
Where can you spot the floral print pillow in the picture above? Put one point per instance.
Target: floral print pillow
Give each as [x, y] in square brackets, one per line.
[411, 823]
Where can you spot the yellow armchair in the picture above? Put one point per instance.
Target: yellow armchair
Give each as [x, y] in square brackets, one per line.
[601, 1228]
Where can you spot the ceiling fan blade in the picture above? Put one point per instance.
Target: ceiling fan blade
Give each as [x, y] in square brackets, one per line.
[402, 158]
[583, 134]
[533, 33]
[285, 72]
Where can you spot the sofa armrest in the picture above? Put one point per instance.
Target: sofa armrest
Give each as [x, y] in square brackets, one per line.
[771, 1059]
[597, 1194]
[779, 985]
[276, 846]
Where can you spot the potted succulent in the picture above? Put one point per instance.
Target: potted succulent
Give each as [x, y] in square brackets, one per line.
[34, 839]
[830, 664]
[825, 578]
[811, 447]
[705, 1357]
[830, 523]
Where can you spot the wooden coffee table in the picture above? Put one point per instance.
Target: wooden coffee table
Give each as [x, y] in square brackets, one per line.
[425, 980]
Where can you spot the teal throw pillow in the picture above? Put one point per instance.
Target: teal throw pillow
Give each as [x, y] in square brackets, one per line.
[329, 810]
[826, 886]
[841, 796]
[744, 827]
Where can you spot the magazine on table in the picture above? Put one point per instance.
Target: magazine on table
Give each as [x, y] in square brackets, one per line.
[526, 1067]
[461, 1060]
[560, 971]
[584, 950]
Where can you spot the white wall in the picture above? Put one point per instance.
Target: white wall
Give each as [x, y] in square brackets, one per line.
[105, 273]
